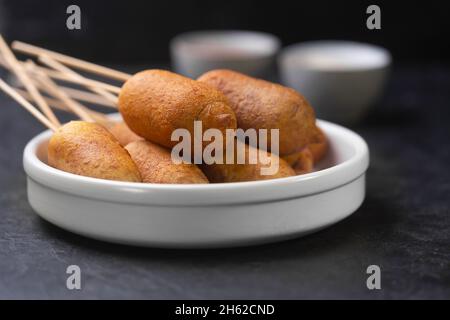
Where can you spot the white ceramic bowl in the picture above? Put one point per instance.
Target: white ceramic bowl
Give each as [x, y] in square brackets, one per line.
[341, 79]
[250, 52]
[201, 216]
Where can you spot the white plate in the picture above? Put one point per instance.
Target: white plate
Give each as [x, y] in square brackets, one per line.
[201, 216]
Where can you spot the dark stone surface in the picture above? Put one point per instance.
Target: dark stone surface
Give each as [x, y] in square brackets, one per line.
[403, 225]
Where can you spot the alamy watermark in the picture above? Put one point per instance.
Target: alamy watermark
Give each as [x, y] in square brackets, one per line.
[73, 281]
[230, 151]
[374, 20]
[374, 280]
[73, 21]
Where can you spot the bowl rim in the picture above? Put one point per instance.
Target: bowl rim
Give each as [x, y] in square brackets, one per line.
[293, 49]
[185, 37]
[202, 194]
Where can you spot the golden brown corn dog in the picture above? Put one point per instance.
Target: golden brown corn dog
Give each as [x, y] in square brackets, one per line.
[88, 149]
[245, 172]
[154, 103]
[123, 134]
[261, 104]
[156, 166]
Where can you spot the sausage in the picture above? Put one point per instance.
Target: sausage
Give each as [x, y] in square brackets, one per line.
[88, 149]
[261, 104]
[154, 103]
[156, 166]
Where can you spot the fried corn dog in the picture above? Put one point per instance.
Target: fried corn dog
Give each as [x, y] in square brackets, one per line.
[123, 134]
[88, 149]
[154, 103]
[156, 166]
[261, 104]
[246, 172]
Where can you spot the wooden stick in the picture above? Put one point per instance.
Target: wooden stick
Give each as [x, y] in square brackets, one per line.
[81, 96]
[75, 77]
[23, 77]
[73, 93]
[86, 82]
[58, 66]
[54, 90]
[87, 97]
[70, 61]
[109, 101]
[28, 106]
[54, 103]
[50, 72]
[58, 104]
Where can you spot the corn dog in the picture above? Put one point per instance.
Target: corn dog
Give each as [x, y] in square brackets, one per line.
[154, 103]
[88, 149]
[123, 134]
[246, 172]
[261, 104]
[156, 166]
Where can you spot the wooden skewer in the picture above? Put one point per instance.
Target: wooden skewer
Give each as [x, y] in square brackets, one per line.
[28, 106]
[111, 99]
[54, 103]
[86, 82]
[73, 93]
[23, 77]
[50, 72]
[81, 96]
[75, 76]
[52, 87]
[58, 104]
[70, 61]
[87, 97]
[67, 78]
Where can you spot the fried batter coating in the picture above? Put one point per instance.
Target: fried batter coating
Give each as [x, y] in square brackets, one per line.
[88, 149]
[302, 162]
[261, 104]
[246, 172]
[154, 103]
[319, 146]
[123, 134]
[156, 166]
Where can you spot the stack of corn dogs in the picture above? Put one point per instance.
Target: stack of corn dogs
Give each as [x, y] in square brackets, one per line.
[153, 104]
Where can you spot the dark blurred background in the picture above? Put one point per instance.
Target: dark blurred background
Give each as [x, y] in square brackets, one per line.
[140, 31]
